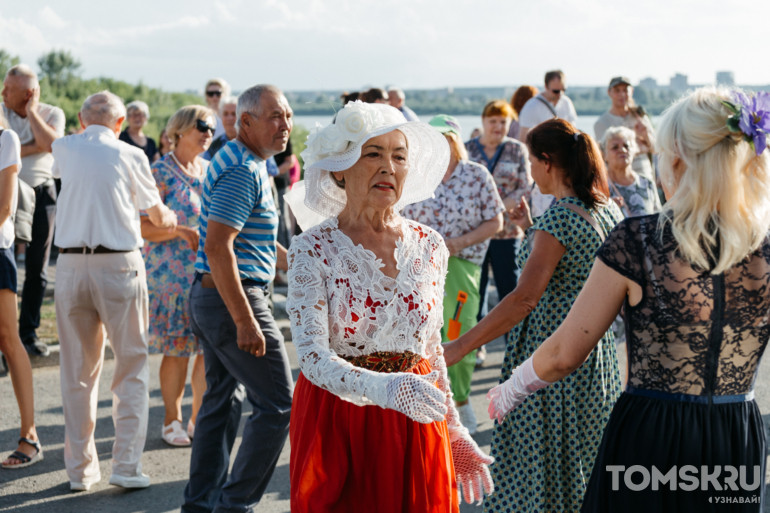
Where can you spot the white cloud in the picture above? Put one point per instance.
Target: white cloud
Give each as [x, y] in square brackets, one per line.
[50, 18]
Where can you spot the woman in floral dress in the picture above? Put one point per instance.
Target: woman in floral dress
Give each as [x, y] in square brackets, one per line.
[169, 259]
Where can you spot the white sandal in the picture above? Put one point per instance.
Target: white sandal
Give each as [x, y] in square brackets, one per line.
[174, 435]
[190, 429]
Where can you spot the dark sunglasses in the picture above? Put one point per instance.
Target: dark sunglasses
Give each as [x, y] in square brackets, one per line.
[203, 127]
[559, 91]
[213, 93]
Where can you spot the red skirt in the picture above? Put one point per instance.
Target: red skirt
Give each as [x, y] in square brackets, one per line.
[348, 458]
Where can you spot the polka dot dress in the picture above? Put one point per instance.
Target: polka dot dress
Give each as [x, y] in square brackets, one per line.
[545, 448]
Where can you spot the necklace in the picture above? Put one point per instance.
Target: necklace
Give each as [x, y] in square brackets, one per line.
[185, 169]
[183, 175]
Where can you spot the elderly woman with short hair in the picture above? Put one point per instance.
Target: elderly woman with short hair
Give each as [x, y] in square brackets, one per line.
[635, 194]
[170, 259]
[137, 114]
[372, 411]
[508, 162]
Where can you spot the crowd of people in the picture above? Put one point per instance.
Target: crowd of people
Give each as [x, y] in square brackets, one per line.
[387, 246]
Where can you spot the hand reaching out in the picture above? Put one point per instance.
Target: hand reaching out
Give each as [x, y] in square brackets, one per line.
[471, 469]
[521, 214]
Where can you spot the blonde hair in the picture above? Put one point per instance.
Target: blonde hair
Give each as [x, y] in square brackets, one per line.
[720, 210]
[221, 83]
[184, 119]
[456, 146]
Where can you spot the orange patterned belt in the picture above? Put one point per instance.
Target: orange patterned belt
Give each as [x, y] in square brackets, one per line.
[386, 361]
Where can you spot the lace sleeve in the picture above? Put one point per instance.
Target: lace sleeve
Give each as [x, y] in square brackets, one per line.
[307, 306]
[621, 250]
[435, 349]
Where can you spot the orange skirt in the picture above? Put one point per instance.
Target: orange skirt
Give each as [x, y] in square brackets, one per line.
[348, 458]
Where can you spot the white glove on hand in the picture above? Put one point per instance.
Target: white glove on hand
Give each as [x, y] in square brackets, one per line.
[471, 469]
[415, 396]
[508, 395]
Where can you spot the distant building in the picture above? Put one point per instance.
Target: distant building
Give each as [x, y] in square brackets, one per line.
[725, 78]
[679, 82]
[648, 83]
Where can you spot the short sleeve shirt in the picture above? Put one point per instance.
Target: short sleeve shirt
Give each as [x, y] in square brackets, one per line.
[511, 175]
[459, 206]
[10, 155]
[237, 193]
[36, 168]
[535, 111]
[105, 183]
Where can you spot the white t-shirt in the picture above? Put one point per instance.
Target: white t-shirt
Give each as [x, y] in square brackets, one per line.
[10, 155]
[37, 167]
[105, 183]
[535, 111]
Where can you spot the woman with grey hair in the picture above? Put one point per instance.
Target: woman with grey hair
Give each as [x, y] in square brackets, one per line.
[137, 114]
[635, 194]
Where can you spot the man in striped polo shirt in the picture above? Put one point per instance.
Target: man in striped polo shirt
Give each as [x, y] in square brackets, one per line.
[236, 261]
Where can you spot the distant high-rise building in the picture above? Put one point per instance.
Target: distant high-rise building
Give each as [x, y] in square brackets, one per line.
[725, 78]
[679, 82]
[648, 83]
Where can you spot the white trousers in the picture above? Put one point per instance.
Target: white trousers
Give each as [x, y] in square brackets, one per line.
[95, 291]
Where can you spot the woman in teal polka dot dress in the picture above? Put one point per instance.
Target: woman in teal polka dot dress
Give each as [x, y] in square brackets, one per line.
[545, 449]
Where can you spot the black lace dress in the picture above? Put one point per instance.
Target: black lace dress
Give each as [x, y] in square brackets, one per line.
[686, 435]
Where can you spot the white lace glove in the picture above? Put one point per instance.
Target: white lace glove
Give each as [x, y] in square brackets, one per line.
[508, 395]
[471, 469]
[415, 396]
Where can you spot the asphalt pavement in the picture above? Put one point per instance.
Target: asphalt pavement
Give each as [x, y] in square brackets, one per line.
[44, 488]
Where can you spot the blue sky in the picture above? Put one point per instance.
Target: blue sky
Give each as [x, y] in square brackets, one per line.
[349, 44]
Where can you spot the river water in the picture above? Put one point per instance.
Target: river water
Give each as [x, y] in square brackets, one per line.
[468, 123]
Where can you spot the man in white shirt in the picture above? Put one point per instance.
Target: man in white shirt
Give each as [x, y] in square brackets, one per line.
[397, 99]
[551, 103]
[37, 125]
[101, 283]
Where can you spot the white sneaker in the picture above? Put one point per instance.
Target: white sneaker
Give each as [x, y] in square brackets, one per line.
[140, 481]
[481, 356]
[467, 417]
[78, 486]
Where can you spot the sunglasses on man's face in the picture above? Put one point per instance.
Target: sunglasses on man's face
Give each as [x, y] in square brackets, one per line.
[204, 127]
[213, 93]
[559, 91]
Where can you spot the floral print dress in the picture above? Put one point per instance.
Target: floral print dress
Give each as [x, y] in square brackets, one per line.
[171, 264]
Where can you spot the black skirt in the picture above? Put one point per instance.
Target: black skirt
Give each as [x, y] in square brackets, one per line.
[668, 455]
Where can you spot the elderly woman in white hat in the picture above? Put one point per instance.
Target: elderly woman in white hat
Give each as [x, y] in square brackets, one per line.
[373, 421]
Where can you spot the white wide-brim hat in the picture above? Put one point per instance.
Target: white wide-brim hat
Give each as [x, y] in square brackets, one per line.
[337, 147]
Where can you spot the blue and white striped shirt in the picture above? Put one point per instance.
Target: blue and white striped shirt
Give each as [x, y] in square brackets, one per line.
[237, 193]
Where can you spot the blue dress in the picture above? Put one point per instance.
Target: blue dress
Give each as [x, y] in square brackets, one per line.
[171, 264]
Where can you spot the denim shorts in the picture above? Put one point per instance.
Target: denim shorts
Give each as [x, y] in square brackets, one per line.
[7, 269]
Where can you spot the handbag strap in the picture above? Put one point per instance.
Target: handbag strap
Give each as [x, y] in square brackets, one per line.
[588, 217]
[548, 104]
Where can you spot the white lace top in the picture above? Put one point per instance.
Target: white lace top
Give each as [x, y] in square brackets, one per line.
[341, 304]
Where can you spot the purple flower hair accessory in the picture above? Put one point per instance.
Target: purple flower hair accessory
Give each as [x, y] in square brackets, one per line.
[751, 117]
